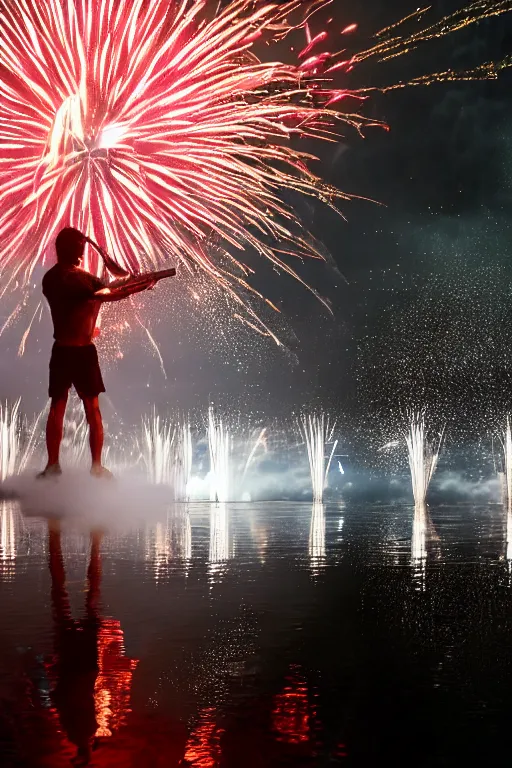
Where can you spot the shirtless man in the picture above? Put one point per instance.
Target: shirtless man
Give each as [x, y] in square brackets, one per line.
[75, 297]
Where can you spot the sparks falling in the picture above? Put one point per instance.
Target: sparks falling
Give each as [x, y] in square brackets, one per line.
[157, 130]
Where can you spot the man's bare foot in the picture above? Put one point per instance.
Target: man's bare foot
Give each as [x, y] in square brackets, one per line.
[97, 470]
[52, 470]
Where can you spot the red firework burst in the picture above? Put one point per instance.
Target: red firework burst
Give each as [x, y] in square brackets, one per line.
[153, 127]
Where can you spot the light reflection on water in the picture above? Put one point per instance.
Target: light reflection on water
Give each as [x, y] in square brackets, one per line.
[256, 635]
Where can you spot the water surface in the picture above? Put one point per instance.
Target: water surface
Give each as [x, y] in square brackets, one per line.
[249, 635]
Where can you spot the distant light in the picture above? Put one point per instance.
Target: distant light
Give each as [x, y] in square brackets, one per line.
[342, 471]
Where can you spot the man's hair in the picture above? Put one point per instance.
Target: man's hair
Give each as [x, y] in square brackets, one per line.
[67, 243]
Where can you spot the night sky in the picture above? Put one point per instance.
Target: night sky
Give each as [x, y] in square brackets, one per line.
[419, 285]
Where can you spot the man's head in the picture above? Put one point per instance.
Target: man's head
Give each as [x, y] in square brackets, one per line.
[69, 245]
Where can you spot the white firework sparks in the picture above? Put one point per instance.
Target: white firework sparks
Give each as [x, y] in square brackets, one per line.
[219, 443]
[423, 455]
[317, 432]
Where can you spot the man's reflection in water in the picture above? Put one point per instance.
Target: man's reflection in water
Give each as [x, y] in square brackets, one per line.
[292, 713]
[92, 677]
[203, 745]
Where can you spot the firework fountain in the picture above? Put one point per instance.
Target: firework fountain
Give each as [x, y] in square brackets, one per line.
[317, 432]
[10, 428]
[182, 462]
[219, 444]
[157, 449]
[18, 439]
[167, 453]
[423, 455]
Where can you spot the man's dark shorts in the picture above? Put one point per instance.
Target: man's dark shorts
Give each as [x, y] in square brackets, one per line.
[75, 366]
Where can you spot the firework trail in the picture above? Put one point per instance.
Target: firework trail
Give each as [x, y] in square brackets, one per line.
[260, 442]
[423, 455]
[157, 130]
[316, 432]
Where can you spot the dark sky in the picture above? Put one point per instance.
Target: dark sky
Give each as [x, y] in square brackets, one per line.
[439, 240]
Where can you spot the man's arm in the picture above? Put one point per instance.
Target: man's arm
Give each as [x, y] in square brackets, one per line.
[121, 289]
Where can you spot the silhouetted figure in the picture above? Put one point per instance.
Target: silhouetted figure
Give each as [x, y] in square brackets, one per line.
[75, 297]
[76, 649]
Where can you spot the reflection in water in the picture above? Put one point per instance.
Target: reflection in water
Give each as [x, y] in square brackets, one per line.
[115, 671]
[203, 745]
[509, 539]
[221, 658]
[90, 675]
[170, 541]
[221, 548]
[317, 539]
[423, 535]
[419, 545]
[259, 534]
[291, 714]
[8, 519]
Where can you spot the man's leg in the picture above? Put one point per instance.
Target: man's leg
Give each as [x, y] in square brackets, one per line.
[54, 427]
[94, 420]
